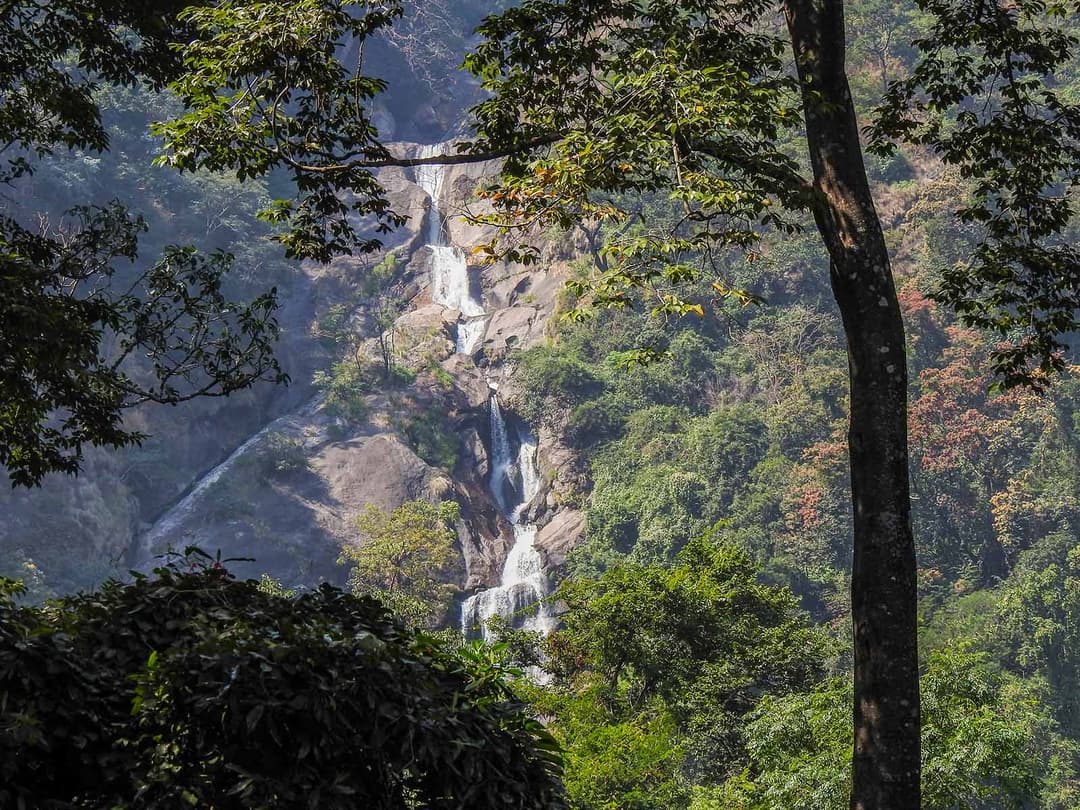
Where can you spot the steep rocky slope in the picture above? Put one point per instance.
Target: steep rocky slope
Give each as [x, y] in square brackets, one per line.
[288, 497]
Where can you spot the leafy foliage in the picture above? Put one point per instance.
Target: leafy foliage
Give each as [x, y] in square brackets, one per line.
[65, 381]
[194, 689]
[70, 318]
[1015, 138]
[665, 123]
[980, 743]
[264, 89]
[345, 387]
[279, 454]
[48, 105]
[1039, 611]
[655, 667]
[405, 558]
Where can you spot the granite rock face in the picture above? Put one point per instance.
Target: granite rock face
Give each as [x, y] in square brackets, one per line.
[423, 436]
[559, 535]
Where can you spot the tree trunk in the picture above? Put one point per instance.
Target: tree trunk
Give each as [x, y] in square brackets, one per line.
[885, 768]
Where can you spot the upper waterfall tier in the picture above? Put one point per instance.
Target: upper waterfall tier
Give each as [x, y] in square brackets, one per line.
[450, 283]
[430, 178]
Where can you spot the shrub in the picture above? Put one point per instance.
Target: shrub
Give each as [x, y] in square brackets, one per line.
[194, 689]
[432, 440]
[345, 387]
[278, 454]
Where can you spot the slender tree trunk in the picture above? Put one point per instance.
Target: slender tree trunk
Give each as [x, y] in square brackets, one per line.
[885, 769]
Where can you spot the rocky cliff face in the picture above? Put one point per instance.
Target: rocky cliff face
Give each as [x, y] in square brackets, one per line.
[288, 498]
[278, 474]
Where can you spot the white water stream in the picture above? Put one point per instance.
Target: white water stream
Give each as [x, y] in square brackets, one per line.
[152, 541]
[449, 270]
[520, 597]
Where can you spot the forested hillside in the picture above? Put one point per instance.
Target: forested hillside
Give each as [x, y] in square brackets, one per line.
[647, 507]
[738, 435]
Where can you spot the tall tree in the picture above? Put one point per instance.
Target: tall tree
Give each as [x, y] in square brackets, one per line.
[692, 99]
[405, 557]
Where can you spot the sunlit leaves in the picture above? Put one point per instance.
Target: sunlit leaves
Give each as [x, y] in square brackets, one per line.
[266, 88]
[404, 558]
[674, 109]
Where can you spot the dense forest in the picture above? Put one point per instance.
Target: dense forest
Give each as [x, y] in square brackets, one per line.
[595, 524]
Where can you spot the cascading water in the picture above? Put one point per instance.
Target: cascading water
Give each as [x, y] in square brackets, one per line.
[449, 270]
[449, 287]
[523, 589]
[514, 480]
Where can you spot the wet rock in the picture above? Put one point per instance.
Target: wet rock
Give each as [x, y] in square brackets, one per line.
[516, 327]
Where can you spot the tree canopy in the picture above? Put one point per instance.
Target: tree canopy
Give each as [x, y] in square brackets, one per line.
[404, 558]
[86, 328]
[191, 688]
[656, 667]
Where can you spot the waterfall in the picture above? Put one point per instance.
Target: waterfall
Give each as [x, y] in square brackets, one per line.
[530, 475]
[514, 482]
[500, 455]
[430, 178]
[469, 332]
[514, 479]
[449, 270]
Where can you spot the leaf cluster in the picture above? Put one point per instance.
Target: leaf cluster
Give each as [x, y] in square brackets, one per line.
[55, 56]
[265, 88]
[70, 337]
[615, 107]
[983, 97]
[405, 558]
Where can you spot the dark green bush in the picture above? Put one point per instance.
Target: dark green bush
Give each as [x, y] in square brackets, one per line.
[595, 421]
[553, 382]
[193, 689]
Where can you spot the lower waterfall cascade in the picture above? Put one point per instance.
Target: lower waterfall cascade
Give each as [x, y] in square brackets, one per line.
[523, 588]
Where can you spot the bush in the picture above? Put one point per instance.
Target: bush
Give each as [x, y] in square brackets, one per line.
[345, 387]
[432, 440]
[595, 422]
[195, 689]
[278, 454]
[552, 383]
